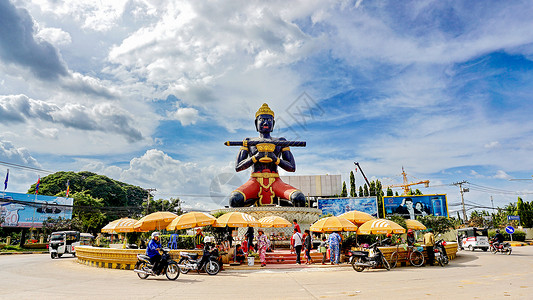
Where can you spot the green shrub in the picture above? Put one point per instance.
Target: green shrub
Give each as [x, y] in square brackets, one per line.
[517, 235]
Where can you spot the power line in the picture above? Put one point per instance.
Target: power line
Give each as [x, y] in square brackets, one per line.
[22, 167]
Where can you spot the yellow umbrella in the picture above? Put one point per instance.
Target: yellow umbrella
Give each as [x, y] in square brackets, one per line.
[274, 221]
[154, 221]
[236, 219]
[380, 226]
[357, 217]
[190, 220]
[125, 225]
[110, 228]
[333, 224]
[415, 225]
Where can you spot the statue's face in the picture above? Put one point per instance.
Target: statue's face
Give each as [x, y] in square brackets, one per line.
[264, 123]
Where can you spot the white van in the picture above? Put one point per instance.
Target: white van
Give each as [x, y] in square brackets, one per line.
[472, 238]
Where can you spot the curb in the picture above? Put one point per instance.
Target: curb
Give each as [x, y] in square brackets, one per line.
[25, 252]
[520, 244]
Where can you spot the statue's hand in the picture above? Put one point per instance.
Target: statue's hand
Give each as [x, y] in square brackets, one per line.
[265, 157]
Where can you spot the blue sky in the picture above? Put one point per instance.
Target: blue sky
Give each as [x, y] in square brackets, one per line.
[147, 92]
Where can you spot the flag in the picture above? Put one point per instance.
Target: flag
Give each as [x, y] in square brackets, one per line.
[37, 186]
[7, 178]
[68, 188]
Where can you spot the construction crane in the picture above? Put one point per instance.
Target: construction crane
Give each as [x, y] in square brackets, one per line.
[406, 184]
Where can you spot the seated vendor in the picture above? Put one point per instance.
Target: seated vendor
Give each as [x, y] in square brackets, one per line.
[240, 257]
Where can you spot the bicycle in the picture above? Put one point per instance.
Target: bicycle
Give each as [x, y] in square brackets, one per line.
[416, 258]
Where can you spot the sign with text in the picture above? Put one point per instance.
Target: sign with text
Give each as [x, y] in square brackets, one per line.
[29, 210]
[513, 218]
[338, 206]
[412, 206]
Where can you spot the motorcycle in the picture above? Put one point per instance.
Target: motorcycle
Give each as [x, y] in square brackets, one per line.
[144, 267]
[440, 253]
[370, 259]
[208, 262]
[500, 247]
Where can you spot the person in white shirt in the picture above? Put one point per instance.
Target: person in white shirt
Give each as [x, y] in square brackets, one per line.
[297, 242]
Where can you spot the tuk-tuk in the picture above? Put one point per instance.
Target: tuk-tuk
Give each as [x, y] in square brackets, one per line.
[472, 238]
[62, 242]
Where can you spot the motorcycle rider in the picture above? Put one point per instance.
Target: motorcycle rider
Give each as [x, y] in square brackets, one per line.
[498, 239]
[152, 250]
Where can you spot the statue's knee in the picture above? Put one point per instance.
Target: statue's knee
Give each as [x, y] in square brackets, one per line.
[236, 199]
[298, 199]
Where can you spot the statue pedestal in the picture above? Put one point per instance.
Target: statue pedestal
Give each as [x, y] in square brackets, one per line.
[304, 215]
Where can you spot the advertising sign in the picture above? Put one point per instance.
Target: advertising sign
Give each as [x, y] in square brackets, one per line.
[412, 206]
[513, 218]
[28, 210]
[338, 206]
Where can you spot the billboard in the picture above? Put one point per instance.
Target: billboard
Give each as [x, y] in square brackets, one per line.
[338, 206]
[316, 185]
[29, 210]
[412, 206]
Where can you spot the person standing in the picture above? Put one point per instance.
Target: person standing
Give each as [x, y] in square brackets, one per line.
[199, 239]
[297, 242]
[323, 249]
[308, 245]
[410, 237]
[429, 241]
[262, 246]
[334, 242]
[250, 237]
[296, 226]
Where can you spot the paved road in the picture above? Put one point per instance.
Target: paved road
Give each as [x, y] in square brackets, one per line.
[479, 275]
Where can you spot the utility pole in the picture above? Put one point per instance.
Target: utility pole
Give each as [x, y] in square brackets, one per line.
[148, 200]
[460, 184]
[492, 202]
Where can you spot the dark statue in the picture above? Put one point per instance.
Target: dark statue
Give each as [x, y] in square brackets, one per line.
[264, 154]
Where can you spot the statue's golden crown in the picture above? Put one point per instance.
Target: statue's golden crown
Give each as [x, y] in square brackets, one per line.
[264, 110]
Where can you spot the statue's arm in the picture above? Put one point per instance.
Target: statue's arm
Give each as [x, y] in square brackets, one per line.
[243, 160]
[287, 162]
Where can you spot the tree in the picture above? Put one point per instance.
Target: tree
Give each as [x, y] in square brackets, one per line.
[172, 205]
[389, 192]
[366, 191]
[439, 224]
[361, 193]
[525, 211]
[353, 191]
[344, 192]
[87, 212]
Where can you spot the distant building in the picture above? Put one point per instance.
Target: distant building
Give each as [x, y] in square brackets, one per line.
[316, 185]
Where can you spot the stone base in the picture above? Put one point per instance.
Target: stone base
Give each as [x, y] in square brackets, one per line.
[304, 215]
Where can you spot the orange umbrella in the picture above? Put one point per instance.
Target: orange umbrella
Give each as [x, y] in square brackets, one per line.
[110, 228]
[333, 224]
[190, 220]
[236, 219]
[154, 221]
[357, 217]
[380, 226]
[274, 221]
[415, 225]
[125, 225]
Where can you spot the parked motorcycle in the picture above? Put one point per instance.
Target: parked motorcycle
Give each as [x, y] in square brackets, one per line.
[440, 253]
[500, 247]
[208, 262]
[144, 267]
[371, 258]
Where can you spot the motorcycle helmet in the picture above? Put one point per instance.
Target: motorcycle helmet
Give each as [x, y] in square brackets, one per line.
[497, 231]
[154, 234]
[410, 231]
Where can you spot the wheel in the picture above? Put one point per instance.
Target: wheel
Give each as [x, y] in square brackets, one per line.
[393, 259]
[445, 260]
[53, 255]
[59, 255]
[385, 263]
[439, 260]
[184, 261]
[509, 252]
[358, 268]
[493, 250]
[141, 266]
[471, 248]
[74, 254]
[416, 258]
[173, 271]
[212, 267]
[485, 249]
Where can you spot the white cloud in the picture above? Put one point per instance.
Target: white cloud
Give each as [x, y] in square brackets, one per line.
[493, 144]
[502, 175]
[55, 36]
[186, 115]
